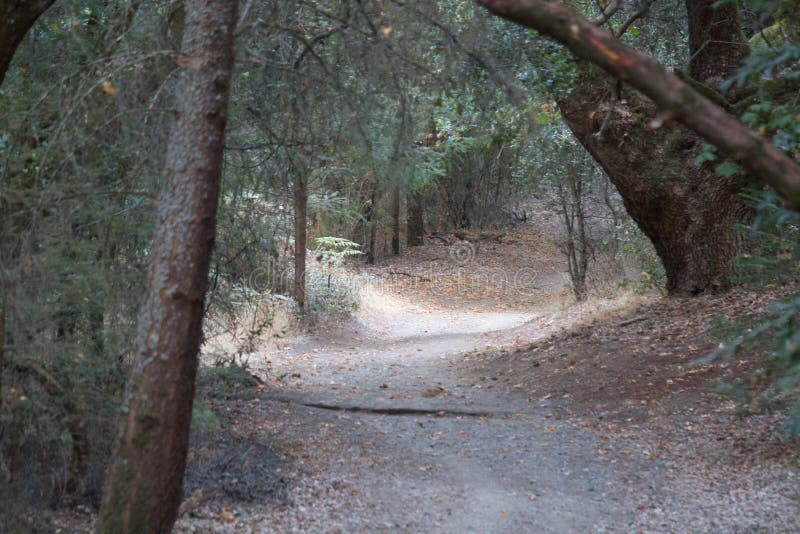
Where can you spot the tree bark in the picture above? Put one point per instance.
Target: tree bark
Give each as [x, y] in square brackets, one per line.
[300, 193]
[372, 222]
[373, 239]
[688, 212]
[16, 18]
[396, 220]
[416, 221]
[143, 489]
[677, 99]
[716, 42]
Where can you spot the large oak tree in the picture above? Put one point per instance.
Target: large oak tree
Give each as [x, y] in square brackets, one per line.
[689, 212]
[686, 210]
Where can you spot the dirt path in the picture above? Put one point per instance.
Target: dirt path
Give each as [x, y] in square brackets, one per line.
[382, 427]
[426, 466]
[444, 408]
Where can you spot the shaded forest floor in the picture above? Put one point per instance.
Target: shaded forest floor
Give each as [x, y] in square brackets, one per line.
[454, 403]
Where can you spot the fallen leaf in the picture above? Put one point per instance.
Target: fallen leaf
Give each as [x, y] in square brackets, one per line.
[195, 500]
[109, 89]
[226, 515]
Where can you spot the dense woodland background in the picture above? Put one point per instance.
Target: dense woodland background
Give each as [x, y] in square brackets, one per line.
[359, 130]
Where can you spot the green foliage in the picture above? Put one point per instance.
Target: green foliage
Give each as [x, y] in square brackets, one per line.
[777, 381]
[633, 243]
[556, 68]
[330, 289]
[707, 153]
[774, 237]
[333, 251]
[774, 110]
[727, 169]
[224, 379]
[204, 420]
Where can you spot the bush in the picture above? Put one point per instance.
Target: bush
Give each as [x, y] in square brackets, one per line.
[330, 289]
[57, 426]
[776, 238]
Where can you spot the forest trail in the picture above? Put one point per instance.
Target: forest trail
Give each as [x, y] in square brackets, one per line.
[402, 422]
[413, 444]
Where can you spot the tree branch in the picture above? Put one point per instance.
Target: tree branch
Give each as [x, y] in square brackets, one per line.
[16, 18]
[608, 12]
[669, 92]
[644, 8]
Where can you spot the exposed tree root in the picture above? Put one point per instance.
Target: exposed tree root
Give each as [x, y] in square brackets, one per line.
[446, 412]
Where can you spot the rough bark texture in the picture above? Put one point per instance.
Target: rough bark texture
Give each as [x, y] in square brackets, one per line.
[143, 489]
[300, 193]
[677, 99]
[716, 41]
[16, 18]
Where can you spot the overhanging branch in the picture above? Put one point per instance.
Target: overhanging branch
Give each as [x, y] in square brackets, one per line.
[676, 98]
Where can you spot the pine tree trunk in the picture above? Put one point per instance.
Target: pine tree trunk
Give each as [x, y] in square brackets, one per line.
[416, 222]
[396, 220]
[687, 211]
[16, 18]
[372, 221]
[300, 240]
[143, 489]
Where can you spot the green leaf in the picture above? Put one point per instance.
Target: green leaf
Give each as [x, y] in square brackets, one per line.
[708, 153]
[727, 169]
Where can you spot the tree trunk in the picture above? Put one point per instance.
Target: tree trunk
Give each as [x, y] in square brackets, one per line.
[143, 489]
[394, 161]
[416, 222]
[687, 211]
[3, 339]
[396, 220]
[300, 239]
[16, 18]
[576, 247]
[372, 221]
[716, 41]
